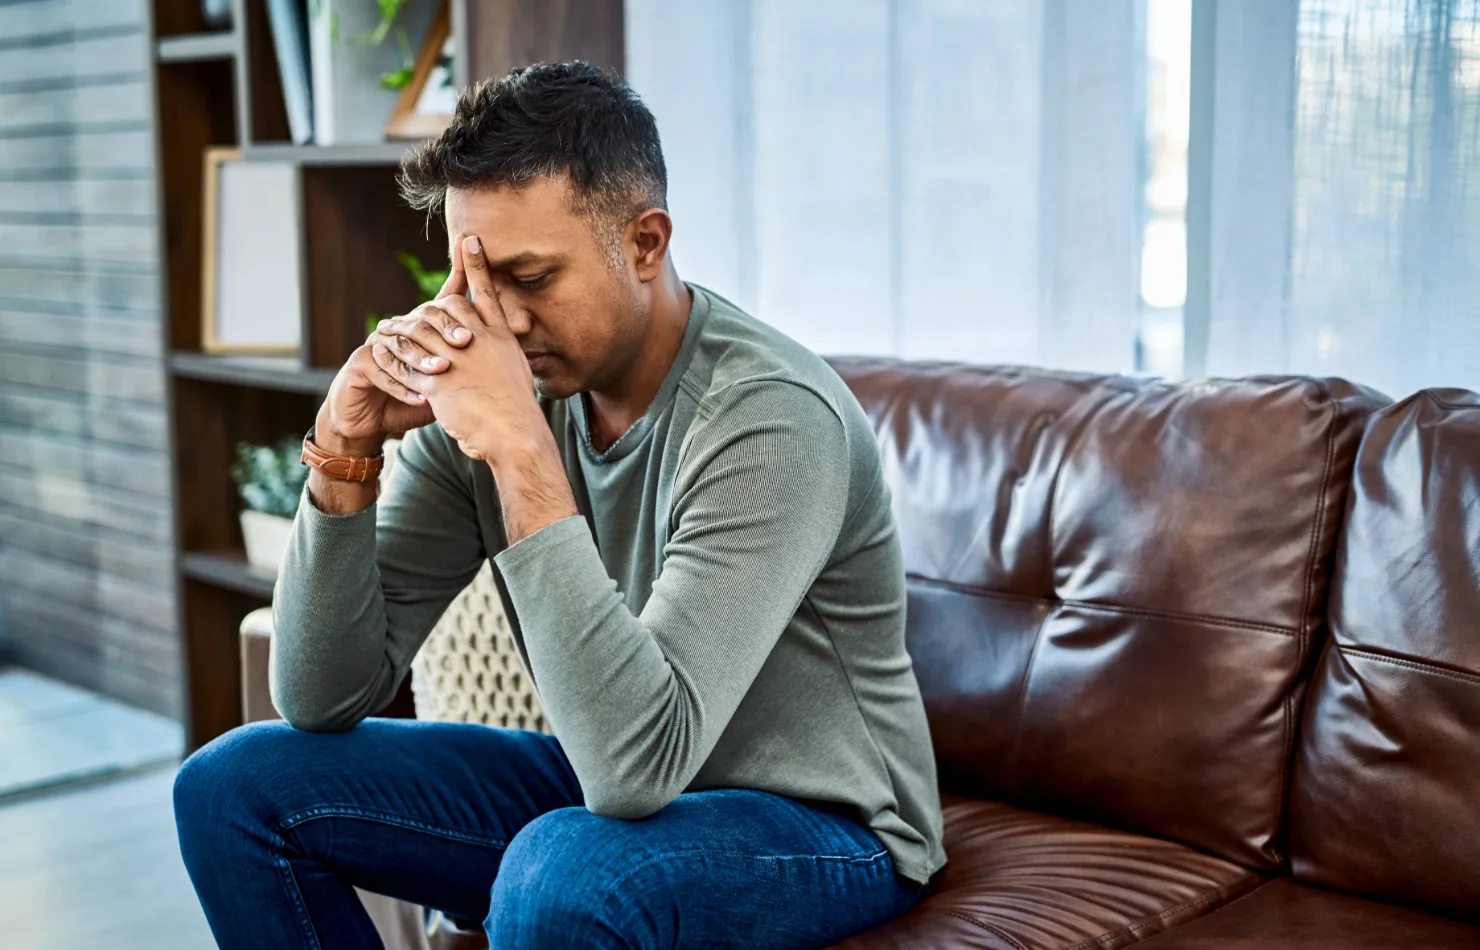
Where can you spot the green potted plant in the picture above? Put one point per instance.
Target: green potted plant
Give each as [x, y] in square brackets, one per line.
[428, 282]
[270, 480]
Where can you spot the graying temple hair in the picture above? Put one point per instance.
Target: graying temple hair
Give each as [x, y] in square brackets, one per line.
[549, 120]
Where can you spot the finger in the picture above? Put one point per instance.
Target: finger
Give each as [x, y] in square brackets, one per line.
[480, 283]
[410, 379]
[456, 284]
[454, 318]
[440, 317]
[460, 320]
[389, 384]
[405, 349]
[433, 328]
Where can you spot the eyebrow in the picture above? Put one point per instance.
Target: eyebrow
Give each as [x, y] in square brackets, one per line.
[516, 260]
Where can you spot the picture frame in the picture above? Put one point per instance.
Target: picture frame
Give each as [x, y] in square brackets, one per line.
[424, 107]
[251, 290]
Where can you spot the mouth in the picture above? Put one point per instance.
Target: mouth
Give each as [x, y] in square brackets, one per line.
[539, 359]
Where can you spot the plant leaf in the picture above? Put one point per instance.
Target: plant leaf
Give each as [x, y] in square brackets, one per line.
[396, 79]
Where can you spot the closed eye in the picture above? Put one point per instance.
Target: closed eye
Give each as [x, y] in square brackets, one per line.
[531, 283]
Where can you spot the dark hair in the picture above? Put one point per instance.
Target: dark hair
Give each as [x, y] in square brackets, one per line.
[547, 120]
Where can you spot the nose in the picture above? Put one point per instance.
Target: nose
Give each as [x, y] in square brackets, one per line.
[520, 320]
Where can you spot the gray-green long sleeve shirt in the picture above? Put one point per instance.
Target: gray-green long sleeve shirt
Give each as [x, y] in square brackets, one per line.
[726, 611]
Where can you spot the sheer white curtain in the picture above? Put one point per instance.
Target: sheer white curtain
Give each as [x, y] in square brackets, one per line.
[926, 178]
[1345, 191]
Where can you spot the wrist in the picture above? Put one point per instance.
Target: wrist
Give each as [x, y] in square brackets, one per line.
[522, 453]
[327, 438]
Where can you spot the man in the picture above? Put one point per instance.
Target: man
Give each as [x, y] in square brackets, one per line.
[693, 537]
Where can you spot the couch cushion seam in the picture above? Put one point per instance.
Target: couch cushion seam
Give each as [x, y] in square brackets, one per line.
[970, 590]
[977, 923]
[1303, 636]
[1417, 665]
[1208, 619]
[1136, 928]
[1434, 398]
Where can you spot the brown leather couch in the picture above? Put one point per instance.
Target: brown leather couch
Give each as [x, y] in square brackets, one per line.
[1201, 660]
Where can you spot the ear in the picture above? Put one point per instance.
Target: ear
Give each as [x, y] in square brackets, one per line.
[649, 233]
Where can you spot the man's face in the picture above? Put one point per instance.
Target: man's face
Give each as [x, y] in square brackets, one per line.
[578, 318]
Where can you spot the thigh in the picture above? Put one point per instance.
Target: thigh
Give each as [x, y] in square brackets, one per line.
[421, 811]
[719, 868]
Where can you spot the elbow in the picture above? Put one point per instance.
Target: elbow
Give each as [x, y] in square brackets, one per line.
[314, 720]
[617, 800]
[303, 708]
[313, 717]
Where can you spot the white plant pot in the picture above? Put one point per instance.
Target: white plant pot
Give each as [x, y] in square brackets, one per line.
[266, 537]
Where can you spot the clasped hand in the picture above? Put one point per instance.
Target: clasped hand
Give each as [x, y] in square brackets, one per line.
[457, 356]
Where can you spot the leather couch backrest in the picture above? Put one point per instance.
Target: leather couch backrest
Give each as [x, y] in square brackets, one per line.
[1115, 584]
[1386, 795]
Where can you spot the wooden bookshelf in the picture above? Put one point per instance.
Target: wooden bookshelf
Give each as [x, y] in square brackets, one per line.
[222, 89]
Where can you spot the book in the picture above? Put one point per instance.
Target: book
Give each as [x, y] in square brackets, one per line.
[289, 21]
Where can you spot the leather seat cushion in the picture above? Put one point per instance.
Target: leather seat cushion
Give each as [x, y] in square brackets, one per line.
[1283, 915]
[1019, 880]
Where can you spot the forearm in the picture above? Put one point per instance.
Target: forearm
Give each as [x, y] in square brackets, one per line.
[329, 666]
[358, 592]
[532, 486]
[608, 689]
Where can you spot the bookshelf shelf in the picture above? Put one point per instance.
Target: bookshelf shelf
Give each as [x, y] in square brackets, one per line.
[378, 153]
[228, 569]
[196, 47]
[269, 372]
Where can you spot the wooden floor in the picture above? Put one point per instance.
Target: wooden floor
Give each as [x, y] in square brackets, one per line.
[52, 733]
[94, 866]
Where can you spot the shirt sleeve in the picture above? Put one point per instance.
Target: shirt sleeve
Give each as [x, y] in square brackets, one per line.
[358, 594]
[639, 702]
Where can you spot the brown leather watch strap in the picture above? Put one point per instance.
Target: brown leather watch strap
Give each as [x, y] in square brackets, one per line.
[345, 468]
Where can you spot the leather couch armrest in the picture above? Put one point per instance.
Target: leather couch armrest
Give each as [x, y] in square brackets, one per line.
[255, 643]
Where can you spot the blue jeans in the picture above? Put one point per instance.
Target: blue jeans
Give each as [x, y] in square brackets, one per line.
[277, 825]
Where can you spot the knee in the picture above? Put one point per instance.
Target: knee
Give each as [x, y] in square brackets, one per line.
[554, 881]
[224, 781]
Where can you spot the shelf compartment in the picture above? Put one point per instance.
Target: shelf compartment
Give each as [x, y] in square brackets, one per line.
[354, 224]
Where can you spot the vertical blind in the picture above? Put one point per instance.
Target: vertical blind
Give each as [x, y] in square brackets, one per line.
[966, 179]
[1345, 212]
[924, 178]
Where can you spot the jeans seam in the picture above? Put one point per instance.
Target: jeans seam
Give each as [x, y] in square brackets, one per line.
[295, 893]
[385, 818]
[615, 888]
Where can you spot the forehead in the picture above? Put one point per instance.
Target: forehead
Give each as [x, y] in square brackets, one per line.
[511, 220]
